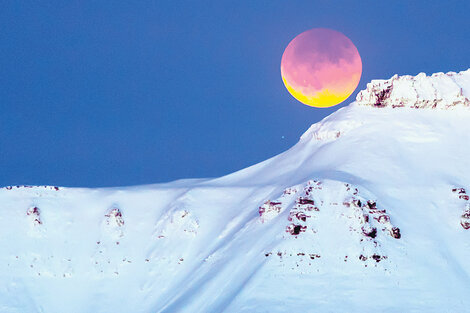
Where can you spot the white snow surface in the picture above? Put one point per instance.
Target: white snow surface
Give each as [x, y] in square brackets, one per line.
[294, 233]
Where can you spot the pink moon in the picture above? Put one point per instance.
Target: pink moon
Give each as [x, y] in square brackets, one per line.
[321, 67]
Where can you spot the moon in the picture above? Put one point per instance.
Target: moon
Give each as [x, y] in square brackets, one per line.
[321, 67]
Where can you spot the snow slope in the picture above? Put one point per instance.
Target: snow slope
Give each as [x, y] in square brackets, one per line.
[365, 213]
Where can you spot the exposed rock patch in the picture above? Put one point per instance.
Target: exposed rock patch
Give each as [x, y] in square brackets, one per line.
[368, 223]
[461, 193]
[114, 223]
[34, 215]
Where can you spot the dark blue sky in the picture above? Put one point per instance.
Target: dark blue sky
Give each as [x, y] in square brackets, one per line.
[108, 93]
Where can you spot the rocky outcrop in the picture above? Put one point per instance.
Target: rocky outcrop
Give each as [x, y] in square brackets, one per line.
[114, 217]
[269, 210]
[315, 204]
[465, 218]
[441, 91]
[31, 187]
[461, 193]
[34, 215]
[113, 223]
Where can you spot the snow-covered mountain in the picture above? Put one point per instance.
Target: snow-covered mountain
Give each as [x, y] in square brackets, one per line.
[368, 212]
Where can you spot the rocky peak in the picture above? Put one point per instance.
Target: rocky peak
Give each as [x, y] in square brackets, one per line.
[439, 90]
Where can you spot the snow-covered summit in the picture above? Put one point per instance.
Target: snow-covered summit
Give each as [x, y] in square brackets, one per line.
[368, 212]
[450, 91]
[436, 91]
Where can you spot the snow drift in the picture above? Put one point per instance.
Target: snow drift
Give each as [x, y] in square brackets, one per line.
[368, 212]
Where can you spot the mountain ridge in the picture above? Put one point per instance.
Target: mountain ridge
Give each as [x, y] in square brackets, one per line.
[438, 90]
[368, 211]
